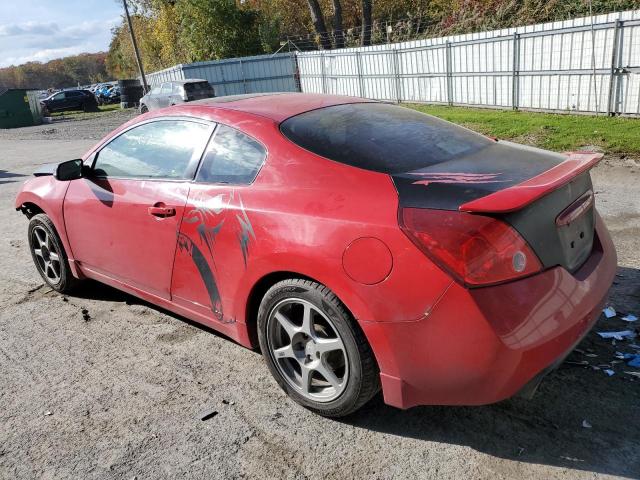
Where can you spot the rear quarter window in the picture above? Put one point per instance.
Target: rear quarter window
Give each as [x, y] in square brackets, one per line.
[231, 157]
[381, 137]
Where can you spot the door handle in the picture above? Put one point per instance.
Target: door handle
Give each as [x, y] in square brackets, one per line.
[161, 210]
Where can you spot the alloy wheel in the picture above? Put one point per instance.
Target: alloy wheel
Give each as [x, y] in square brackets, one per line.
[307, 350]
[46, 254]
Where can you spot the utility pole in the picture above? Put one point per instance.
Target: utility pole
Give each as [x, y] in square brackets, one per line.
[135, 47]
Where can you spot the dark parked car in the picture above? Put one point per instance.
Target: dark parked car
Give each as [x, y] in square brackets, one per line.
[174, 92]
[69, 100]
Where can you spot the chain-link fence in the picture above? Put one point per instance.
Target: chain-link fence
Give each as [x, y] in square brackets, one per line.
[589, 65]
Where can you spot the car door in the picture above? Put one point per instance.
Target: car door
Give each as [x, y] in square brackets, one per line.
[123, 218]
[216, 234]
[150, 98]
[74, 100]
[162, 100]
[177, 95]
[57, 102]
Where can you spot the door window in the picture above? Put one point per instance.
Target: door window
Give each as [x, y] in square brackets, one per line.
[160, 149]
[59, 96]
[166, 88]
[155, 91]
[231, 157]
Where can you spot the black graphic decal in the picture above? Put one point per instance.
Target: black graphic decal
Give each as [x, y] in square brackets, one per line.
[245, 233]
[208, 211]
[186, 244]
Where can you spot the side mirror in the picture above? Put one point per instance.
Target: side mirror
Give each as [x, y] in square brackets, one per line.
[70, 170]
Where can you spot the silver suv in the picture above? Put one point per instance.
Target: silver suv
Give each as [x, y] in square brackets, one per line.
[176, 91]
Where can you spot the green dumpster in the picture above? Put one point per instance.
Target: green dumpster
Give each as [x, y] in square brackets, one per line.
[16, 110]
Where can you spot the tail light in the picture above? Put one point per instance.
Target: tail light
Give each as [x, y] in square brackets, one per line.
[477, 250]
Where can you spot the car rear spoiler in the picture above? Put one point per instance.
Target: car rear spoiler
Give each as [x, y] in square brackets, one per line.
[514, 198]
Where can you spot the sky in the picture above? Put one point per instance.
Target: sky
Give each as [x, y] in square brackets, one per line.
[41, 30]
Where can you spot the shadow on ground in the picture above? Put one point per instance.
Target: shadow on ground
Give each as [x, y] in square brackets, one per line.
[5, 174]
[545, 430]
[92, 290]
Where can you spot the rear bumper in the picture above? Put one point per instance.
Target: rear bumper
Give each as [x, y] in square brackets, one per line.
[484, 345]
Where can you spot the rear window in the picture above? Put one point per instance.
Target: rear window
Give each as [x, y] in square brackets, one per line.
[381, 137]
[197, 87]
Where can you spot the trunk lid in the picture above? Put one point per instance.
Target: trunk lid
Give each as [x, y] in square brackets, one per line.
[547, 197]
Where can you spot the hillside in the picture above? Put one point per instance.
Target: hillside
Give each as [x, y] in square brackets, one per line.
[62, 72]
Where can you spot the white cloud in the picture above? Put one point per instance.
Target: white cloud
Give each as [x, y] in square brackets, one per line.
[43, 41]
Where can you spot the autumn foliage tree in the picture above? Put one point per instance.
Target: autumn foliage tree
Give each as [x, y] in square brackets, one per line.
[178, 31]
[80, 69]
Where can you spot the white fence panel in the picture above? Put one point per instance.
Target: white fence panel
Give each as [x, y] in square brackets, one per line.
[263, 73]
[582, 65]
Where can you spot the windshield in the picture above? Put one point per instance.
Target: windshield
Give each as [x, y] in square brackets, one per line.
[381, 137]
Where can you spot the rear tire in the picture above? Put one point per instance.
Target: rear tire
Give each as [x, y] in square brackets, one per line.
[315, 350]
[49, 256]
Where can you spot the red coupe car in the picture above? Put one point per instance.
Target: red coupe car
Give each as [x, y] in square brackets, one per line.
[360, 245]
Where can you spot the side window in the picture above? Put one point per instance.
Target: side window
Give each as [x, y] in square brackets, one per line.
[231, 157]
[166, 88]
[155, 90]
[161, 149]
[59, 96]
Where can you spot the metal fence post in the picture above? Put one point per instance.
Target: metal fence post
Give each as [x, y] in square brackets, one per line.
[244, 78]
[360, 79]
[324, 74]
[396, 71]
[612, 105]
[449, 76]
[515, 78]
[620, 70]
[293, 56]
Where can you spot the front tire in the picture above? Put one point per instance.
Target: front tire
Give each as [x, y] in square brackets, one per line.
[49, 256]
[315, 349]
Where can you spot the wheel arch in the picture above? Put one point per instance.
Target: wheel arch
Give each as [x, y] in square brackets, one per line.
[30, 204]
[263, 284]
[30, 209]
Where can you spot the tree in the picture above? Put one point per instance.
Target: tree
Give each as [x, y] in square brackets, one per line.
[366, 22]
[215, 29]
[338, 30]
[61, 72]
[319, 25]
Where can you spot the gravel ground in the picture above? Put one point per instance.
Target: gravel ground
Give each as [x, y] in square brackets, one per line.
[120, 394]
[72, 126]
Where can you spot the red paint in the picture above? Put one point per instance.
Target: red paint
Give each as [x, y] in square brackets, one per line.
[481, 346]
[111, 230]
[514, 198]
[367, 261]
[435, 340]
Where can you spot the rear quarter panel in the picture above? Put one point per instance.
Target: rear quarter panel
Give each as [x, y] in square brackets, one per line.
[305, 211]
